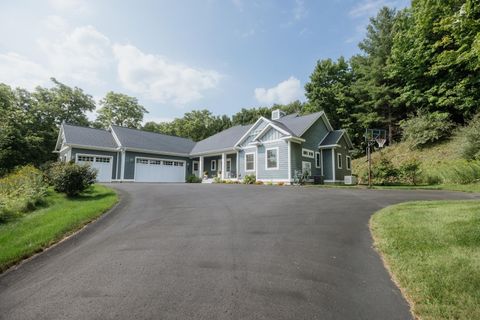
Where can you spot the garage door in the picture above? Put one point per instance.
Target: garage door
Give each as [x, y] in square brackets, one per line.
[103, 165]
[159, 170]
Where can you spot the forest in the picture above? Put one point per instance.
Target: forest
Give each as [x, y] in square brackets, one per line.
[417, 76]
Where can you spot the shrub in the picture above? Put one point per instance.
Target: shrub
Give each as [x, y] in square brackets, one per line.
[193, 179]
[426, 128]
[471, 144]
[249, 179]
[217, 180]
[410, 171]
[258, 182]
[21, 191]
[71, 178]
[384, 172]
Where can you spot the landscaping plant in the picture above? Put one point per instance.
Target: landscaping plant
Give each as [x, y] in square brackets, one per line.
[193, 179]
[249, 179]
[71, 178]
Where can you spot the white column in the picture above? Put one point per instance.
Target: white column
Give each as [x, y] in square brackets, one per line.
[289, 161]
[122, 171]
[333, 165]
[200, 167]
[224, 164]
[321, 161]
[238, 165]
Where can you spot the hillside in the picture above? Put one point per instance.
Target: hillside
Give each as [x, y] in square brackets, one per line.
[439, 163]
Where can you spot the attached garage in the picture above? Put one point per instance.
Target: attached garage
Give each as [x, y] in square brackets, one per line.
[159, 170]
[103, 164]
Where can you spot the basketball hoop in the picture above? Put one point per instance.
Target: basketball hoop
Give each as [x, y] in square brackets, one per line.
[381, 142]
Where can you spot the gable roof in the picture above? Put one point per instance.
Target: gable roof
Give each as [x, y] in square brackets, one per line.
[151, 141]
[333, 137]
[299, 124]
[225, 139]
[84, 136]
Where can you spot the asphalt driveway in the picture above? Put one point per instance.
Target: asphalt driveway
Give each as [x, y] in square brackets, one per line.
[177, 251]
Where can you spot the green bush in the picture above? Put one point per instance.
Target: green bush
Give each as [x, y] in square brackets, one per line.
[249, 179]
[384, 172]
[217, 180]
[21, 191]
[193, 179]
[426, 128]
[471, 144]
[410, 172]
[71, 178]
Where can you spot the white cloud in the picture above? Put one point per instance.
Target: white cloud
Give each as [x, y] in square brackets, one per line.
[69, 5]
[369, 8]
[299, 10]
[160, 80]
[285, 92]
[80, 55]
[19, 71]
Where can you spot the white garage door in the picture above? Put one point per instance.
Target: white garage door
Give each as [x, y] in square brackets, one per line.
[103, 164]
[159, 170]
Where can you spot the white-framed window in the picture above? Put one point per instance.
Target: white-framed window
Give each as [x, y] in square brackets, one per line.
[168, 163]
[250, 161]
[307, 167]
[349, 163]
[339, 161]
[102, 159]
[318, 160]
[85, 158]
[195, 165]
[307, 153]
[142, 161]
[228, 165]
[213, 165]
[156, 162]
[271, 158]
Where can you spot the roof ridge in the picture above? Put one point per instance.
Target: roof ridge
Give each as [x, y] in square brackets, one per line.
[84, 127]
[152, 132]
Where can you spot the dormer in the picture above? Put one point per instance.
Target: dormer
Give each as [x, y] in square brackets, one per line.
[277, 114]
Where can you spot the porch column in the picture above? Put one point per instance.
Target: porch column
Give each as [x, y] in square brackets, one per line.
[200, 167]
[333, 165]
[238, 166]
[224, 164]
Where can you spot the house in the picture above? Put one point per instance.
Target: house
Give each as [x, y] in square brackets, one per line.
[276, 149]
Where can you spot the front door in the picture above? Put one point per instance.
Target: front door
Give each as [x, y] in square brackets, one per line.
[228, 168]
[195, 168]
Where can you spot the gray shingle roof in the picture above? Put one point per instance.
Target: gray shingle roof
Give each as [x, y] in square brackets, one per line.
[137, 139]
[88, 136]
[298, 124]
[222, 140]
[332, 138]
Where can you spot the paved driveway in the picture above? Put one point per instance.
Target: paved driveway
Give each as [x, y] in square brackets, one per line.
[217, 252]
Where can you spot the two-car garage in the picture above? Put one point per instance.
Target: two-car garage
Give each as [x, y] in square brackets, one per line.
[159, 170]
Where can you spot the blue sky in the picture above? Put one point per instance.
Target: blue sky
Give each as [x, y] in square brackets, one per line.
[175, 56]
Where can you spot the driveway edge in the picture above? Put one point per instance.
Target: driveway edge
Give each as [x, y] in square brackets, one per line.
[70, 239]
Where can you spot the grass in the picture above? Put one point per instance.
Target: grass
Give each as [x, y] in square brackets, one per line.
[433, 251]
[58, 217]
[473, 187]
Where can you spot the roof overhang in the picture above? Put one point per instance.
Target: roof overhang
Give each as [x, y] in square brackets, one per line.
[250, 129]
[80, 146]
[269, 126]
[330, 146]
[212, 152]
[186, 155]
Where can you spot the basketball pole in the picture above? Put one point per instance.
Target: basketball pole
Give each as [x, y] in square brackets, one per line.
[369, 157]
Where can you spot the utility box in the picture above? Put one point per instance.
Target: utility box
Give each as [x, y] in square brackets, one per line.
[350, 180]
[318, 180]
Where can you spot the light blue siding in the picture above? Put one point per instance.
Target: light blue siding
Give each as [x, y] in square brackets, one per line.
[255, 130]
[282, 171]
[270, 135]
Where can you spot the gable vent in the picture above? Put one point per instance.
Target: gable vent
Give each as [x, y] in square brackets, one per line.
[277, 114]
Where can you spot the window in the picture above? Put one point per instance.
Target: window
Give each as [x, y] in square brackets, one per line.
[339, 161]
[307, 153]
[250, 162]
[168, 163]
[349, 163]
[213, 165]
[156, 162]
[271, 158]
[85, 158]
[102, 159]
[228, 165]
[318, 160]
[195, 166]
[142, 161]
[307, 167]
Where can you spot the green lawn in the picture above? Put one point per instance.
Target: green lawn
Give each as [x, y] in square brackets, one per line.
[474, 187]
[58, 217]
[432, 248]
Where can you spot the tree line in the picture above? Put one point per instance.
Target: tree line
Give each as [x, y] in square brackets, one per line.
[422, 61]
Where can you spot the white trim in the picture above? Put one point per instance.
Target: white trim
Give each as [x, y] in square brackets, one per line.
[122, 169]
[186, 155]
[115, 136]
[277, 160]
[268, 126]
[80, 146]
[198, 168]
[94, 156]
[250, 129]
[162, 159]
[339, 161]
[289, 148]
[348, 163]
[309, 162]
[226, 164]
[333, 164]
[321, 157]
[238, 164]
[201, 167]
[308, 151]
[340, 181]
[329, 146]
[117, 167]
[254, 162]
[213, 165]
[211, 152]
[319, 164]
